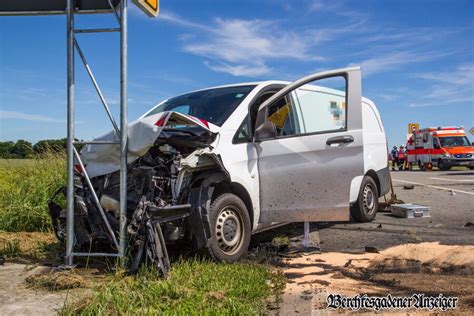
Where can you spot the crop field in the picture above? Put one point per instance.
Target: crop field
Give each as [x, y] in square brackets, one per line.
[194, 286]
[25, 187]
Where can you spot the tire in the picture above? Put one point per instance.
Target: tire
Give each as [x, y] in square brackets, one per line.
[230, 228]
[442, 166]
[366, 206]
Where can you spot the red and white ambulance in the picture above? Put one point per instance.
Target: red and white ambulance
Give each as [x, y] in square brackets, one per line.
[442, 147]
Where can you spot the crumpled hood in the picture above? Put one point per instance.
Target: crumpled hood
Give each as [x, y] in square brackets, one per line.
[103, 159]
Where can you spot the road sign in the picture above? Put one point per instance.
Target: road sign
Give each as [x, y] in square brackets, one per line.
[150, 7]
[413, 127]
[471, 131]
[47, 7]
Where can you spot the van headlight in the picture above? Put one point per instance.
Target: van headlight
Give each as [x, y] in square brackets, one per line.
[447, 155]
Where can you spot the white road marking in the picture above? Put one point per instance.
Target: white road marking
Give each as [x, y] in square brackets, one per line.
[454, 180]
[434, 187]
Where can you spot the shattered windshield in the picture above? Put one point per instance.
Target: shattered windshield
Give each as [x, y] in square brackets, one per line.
[454, 141]
[213, 105]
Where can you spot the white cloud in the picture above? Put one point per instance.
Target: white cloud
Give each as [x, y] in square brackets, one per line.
[449, 87]
[244, 47]
[391, 61]
[463, 75]
[28, 117]
[170, 17]
[240, 70]
[250, 47]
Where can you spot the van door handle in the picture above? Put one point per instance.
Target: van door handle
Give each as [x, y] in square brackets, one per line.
[340, 140]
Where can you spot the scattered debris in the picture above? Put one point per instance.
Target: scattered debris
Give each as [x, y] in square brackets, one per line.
[408, 187]
[469, 224]
[385, 206]
[371, 249]
[307, 295]
[57, 280]
[410, 210]
[452, 192]
[400, 270]
[2, 261]
[379, 226]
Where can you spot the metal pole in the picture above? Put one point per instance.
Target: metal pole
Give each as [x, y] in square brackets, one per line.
[96, 198]
[96, 86]
[70, 134]
[123, 127]
[306, 235]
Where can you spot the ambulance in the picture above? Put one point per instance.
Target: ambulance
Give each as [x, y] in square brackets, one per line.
[442, 147]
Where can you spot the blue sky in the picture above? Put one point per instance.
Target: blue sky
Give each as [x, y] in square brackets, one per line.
[417, 58]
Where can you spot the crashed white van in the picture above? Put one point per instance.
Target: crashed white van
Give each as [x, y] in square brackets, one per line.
[215, 165]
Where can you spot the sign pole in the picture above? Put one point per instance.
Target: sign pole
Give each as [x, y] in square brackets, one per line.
[70, 134]
[123, 128]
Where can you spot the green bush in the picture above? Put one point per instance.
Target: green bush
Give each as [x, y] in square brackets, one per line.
[25, 187]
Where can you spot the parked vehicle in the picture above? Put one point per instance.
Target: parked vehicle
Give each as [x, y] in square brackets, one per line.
[442, 147]
[219, 164]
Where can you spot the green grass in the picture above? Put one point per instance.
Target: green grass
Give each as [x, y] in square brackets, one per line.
[25, 187]
[194, 287]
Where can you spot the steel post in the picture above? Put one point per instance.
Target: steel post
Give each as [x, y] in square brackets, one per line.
[70, 134]
[123, 127]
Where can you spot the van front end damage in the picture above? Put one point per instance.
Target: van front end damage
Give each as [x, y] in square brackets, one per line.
[170, 178]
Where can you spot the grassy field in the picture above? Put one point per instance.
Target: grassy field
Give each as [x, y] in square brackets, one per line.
[25, 187]
[194, 286]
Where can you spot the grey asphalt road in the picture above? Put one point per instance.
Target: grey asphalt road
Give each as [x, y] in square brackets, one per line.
[450, 194]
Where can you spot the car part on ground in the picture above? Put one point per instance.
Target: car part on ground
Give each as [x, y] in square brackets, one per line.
[384, 206]
[410, 210]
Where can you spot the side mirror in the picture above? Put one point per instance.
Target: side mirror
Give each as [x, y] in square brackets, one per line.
[266, 130]
[436, 146]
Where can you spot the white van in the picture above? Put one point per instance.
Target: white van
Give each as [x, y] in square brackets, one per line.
[236, 159]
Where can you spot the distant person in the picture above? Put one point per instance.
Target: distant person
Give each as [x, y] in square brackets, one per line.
[401, 157]
[394, 154]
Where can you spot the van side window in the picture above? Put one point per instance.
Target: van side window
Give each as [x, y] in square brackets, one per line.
[283, 114]
[323, 105]
[243, 132]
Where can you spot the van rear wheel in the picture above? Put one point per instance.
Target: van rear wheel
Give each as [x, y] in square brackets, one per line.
[367, 204]
[230, 228]
[442, 166]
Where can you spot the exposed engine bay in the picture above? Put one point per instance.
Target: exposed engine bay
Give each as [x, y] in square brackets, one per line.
[159, 194]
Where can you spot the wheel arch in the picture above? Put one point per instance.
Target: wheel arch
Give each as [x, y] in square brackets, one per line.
[371, 173]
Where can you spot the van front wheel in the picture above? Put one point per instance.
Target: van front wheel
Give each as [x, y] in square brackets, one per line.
[230, 228]
[366, 206]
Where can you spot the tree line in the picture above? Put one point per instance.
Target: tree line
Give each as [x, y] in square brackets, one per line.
[22, 149]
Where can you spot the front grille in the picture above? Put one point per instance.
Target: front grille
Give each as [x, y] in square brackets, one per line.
[463, 155]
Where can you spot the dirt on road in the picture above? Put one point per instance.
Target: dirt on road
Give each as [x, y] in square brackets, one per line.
[429, 268]
[18, 298]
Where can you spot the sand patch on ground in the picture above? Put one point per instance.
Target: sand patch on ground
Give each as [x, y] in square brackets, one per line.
[402, 270]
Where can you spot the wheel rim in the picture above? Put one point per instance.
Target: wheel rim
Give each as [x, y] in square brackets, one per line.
[229, 230]
[369, 199]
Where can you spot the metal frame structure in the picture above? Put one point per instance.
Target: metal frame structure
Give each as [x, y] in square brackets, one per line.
[72, 8]
[72, 153]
